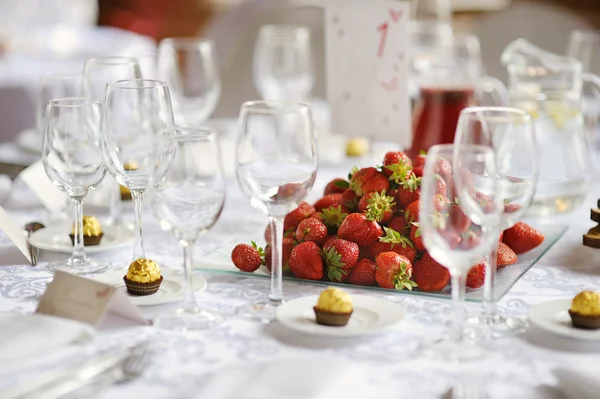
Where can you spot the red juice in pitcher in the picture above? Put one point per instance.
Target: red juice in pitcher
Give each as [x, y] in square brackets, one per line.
[435, 115]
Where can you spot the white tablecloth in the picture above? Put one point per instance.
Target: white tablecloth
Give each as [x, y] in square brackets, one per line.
[516, 368]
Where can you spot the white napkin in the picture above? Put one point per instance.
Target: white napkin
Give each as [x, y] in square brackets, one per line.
[319, 377]
[5, 186]
[578, 382]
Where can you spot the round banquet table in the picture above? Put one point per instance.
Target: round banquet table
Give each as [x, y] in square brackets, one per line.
[516, 367]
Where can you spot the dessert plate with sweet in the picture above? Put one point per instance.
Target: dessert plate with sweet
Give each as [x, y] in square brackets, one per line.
[577, 318]
[335, 313]
[96, 238]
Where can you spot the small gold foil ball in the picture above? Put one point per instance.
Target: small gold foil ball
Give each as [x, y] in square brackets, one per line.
[586, 303]
[130, 166]
[91, 226]
[335, 300]
[357, 147]
[143, 270]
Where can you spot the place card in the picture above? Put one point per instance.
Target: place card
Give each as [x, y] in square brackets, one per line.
[366, 45]
[37, 180]
[15, 233]
[89, 301]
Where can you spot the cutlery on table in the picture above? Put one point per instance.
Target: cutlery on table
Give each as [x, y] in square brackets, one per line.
[28, 230]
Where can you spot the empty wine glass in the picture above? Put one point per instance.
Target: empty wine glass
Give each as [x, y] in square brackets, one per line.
[135, 114]
[97, 73]
[190, 68]
[510, 133]
[276, 165]
[72, 157]
[56, 86]
[188, 201]
[445, 236]
[283, 63]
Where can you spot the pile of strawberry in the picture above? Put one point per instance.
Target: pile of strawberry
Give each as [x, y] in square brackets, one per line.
[365, 231]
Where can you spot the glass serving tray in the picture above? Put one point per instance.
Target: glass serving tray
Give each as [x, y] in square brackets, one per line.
[219, 261]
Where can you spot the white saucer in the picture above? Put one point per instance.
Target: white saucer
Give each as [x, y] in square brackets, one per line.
[171, 288]
[56, 239]
[553, 317]
[371, 315]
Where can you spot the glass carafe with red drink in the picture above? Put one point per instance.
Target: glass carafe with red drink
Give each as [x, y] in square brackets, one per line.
[452, 81]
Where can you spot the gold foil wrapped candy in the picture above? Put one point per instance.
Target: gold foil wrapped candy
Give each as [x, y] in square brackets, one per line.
[586, 303]
[91, 226]
[335, 300]
[143, 270]
[125, 192]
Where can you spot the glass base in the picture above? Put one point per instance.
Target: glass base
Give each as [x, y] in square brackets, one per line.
[262, 311]
[447, 350]
[91, 266]
[484, 326]
[189, 320]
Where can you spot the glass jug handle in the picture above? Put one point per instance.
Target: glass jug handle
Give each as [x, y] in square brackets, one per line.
[495, 88]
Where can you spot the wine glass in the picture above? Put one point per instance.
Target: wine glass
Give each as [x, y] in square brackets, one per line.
[188, 201]
[510, 133]
[56, 86]
[190, 67]
[282, 66]
[72, 158]
[276, 165]
[135, 113]
[97, 73]
[445, 236]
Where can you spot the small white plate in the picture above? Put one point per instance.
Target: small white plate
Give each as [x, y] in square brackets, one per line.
[371, 315]
[56, 239]
[171, 288]
[553, 317]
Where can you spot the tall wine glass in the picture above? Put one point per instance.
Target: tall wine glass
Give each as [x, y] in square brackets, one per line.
[190, 68]
[283, 68]
[72, 157]
[276, 165]
[97, 73]
[56, 86]
[510, 133]
[445, 236]
[135, 114]
[188, 201]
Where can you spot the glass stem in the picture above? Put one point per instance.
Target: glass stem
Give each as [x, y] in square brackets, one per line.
[276, 226]
[489, 300]
[189, 302]
[78, 256]
[138, 244]
[115, 204]
[458, 282]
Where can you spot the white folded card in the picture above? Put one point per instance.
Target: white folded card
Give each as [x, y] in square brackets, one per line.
[367, 72]
[14, 233]
[89, 301]
[36, 179]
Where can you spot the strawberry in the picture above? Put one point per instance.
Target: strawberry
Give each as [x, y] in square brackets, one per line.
[510, 208]
[290, 233]
[394, 271]
[416, 238]
[349, 200]
[288, 245]
[457, 220]
[336, 186]
[419, 165]
[368, 180]
[411, 213]
[340, 257]
[377, 206]
[395, 242]
[398, 172]
[451, 237]
[399, 224]
[476, 275]
[333, 216]
[393, 158]
[501, 236]
[327, 201]
[409, 190]
[469, 240]
[429, 274]
[505, 256]
[306, 261]
[247, 258]
[440, 185]
[522, 238]
[311, 229]
[357, 228]
[293, 219]
[363, 273]
[443, 168]
[485, 202]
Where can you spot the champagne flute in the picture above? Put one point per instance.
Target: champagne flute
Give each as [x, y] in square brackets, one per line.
[276, 165]
[135, 113]
[188, 201]
[190, 68]
[510, 133]
[72, 158]
[445, 238]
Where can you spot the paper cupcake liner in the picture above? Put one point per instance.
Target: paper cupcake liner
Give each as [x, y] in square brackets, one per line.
[140, 289]
[88, 241]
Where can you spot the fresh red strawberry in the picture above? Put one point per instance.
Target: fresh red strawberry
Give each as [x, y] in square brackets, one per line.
[429, 274]
[419, 165]
[336, 186]
[247, 258]
[399, 224]
[451, 237]
[340, 257]
[469, 240]
[368, 180]
[333, 217]
[394, 271]
[409, 190]
[363, 273]
[357, 228]
[485, 202]
[411, 213]
[399, 172]
[476, 275]
[506, 256]
[393, 159]
[416, 238]
[522, 238]
[330, 238]
[457, 220]
[293, 219]
[327, 201]
[306, 261]
[501, 236]
[510, 207]
[376, 184]
[440, 185]
[395, 242]
[377, 206]
[349, 200]
[288, 245]
[311, 229]
[365, 252]
[443, 168]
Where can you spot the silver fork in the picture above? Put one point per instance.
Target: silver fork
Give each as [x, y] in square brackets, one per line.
[135, 364]
[470, 386]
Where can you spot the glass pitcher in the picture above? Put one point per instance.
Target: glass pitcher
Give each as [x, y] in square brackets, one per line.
[451, 81]
[549, 86]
